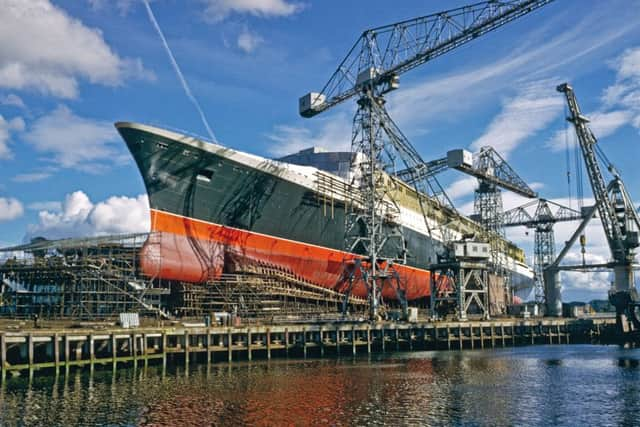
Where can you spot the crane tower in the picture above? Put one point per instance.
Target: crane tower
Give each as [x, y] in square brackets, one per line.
[617, 214]
[370, 70]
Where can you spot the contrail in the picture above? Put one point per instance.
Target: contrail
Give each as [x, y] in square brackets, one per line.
[185, 86]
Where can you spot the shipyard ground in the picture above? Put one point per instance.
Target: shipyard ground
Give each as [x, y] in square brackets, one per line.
[53, 347]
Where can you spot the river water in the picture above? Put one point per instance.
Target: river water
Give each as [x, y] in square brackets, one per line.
[571, 385]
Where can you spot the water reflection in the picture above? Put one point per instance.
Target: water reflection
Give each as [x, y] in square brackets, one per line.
[563, 385]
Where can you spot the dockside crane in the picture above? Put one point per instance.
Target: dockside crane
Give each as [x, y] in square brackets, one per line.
[370, 70]
[493, 173]
[542, 222]
[619, 220]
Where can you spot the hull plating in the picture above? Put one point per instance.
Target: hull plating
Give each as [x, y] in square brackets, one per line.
[191, 250]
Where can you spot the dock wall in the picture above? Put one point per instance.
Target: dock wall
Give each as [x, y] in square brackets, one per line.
[62, 349]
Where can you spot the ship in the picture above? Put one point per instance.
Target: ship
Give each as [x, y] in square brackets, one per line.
[216, 210]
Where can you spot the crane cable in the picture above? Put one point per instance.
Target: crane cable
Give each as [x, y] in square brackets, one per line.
[579, 174]
[567, 155]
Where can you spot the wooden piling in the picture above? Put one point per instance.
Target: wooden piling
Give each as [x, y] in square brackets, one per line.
[3, 356]
[145, 343]
[134, 349]
[211, 341]
[164, 349]
[304, 342]
[286, 341]
[30, 350]
[353, 340]
[67, 353]
[208, 345]
[56, 352]
[92, 355]
[268, 344]
[186, 348]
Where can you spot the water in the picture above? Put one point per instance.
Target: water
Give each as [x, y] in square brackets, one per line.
[538, 385]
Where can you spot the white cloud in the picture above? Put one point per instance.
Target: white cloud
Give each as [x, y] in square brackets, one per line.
[10, 208]
[45, 206]
[628, 64]
[461, 187]
[12, 100]
[42, 48]
[74, 142]
[31, 177]
[123, 6]
[601, 123]
[543, 53]
[332, 133]
[218, 10]
[79, 216]
[6, 128]
[620, 103]
[625, 93]
[591, 282]
[248, 41]
[522, 116]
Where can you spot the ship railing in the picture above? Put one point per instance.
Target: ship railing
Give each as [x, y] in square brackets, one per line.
[330, 188]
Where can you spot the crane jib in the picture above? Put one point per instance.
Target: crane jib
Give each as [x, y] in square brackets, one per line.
[388, 51]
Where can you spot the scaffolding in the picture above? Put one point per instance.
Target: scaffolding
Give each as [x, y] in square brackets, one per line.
[101, 277]
[260, 295]
[83, 279]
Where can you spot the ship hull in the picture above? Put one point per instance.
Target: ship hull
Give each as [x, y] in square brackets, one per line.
[215, 210]
[186, 249]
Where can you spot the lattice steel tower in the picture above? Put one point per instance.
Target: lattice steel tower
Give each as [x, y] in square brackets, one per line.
[369, 71]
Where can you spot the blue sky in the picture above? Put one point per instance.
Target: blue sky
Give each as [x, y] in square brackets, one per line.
[70, 68]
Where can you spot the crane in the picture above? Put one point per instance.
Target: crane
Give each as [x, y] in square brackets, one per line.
[369, 71]
[542, 221]
[487, 165]
[617, 214]
[493, 172]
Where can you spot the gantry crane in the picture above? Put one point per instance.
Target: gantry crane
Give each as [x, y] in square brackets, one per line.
[619, 220]
[542, 222]
[369, 71]
[493, 173]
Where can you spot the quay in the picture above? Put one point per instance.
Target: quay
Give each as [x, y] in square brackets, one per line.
[53, 350]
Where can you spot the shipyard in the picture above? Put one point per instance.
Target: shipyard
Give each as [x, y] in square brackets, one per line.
[429, 236]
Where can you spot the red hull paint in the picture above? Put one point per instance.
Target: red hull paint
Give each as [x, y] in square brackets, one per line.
[191, 250]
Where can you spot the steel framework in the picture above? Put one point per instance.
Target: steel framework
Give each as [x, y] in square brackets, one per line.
[542, 221]
[79, 278]
[99, 278]
[370, 70]
[617, 214]
[460, 288]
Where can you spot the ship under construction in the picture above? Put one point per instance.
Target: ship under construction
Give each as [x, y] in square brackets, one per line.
[362, 228]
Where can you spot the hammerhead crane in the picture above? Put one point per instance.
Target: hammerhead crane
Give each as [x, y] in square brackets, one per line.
[617, 214]
[370, 70]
